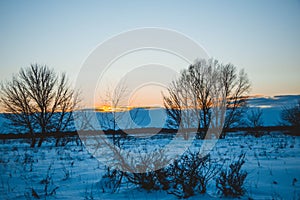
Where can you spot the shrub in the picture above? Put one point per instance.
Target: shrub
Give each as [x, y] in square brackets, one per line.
[230, 183]
[111, 180]
[190, 174]
[155, 175]
[185, 177]
[49, 187]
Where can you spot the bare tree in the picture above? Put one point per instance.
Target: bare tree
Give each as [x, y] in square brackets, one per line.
[38, 100]
[255, 118]
[114, 100]
[236, 85]
[197, 89]
[290, 116]
[179, 104]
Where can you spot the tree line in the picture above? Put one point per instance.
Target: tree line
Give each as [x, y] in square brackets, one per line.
[38, 100]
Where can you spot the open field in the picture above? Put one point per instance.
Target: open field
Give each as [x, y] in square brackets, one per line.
[68, 172]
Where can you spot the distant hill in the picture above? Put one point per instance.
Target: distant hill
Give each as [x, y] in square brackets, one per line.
[147, 117]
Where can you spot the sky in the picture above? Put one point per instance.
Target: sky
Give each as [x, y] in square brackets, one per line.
[260, 36]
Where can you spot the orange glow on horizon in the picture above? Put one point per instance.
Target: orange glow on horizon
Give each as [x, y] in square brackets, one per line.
[108, 108]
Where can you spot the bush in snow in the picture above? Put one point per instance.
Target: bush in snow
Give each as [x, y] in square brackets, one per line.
[153, 180]
[154, 175]
[185, 177]
[146, 171]
[49, 187]
[230, 183]
[190, 174]
[111, 180]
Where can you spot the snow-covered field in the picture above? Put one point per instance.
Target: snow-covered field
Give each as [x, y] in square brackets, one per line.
[70, 172]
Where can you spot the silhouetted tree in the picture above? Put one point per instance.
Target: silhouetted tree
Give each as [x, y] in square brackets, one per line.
[38, 100]
[290, 116]
[254, 118]
[236, 86]
[198, 90]
[114, 99]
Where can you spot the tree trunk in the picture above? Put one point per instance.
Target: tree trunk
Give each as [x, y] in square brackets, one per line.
[33, 141]
[41, 141]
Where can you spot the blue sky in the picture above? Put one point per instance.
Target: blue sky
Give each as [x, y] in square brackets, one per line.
[260, 36]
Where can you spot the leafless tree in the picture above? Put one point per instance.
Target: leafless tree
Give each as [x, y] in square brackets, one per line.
[290, 116]
[179, 103]
[198, 89]
[114, 99]
[255, 118]
[236, 86]
[38, 100]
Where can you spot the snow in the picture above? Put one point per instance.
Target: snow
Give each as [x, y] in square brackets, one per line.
[67, 172]
[272, 163]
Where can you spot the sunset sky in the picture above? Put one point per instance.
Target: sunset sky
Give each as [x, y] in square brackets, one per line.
[260, 36]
